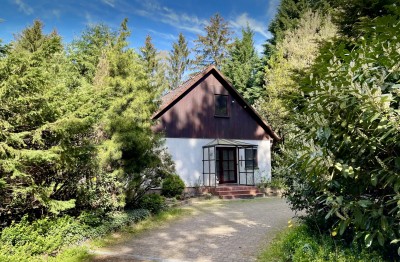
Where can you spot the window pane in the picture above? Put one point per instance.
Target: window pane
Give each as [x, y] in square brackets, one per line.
[249, 164]
[251, 158]
[231, 165]
[230, 154]
[249, 154]
[225, 165]
[231, 175]
[221, 105]
[255, 158]
[225, 155]
[226, 176]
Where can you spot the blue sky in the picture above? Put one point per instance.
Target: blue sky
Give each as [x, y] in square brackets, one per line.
[162, 19]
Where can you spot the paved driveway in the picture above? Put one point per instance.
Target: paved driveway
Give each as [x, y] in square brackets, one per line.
[223, 231]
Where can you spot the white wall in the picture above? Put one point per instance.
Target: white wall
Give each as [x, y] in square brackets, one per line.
[187, 154]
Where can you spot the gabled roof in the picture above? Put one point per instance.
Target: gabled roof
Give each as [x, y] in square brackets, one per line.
[177, 94]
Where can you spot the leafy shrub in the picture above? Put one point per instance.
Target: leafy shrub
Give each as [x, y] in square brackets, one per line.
[301, 243]
[153, 202]
[172, 186]
[26, 241]
[343, 164]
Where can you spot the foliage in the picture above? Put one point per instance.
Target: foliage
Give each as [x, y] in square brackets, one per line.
[75, 128]
[155, 203]
[344, 161]
[172, 186]
[44, 151]
[351, 13]
[87, 50]
[179, 61]
[153, 67]
[213, 47]
[301, 243]
[295, 52]
[31, 241]
[240, 67]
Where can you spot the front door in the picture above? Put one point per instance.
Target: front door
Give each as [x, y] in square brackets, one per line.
[226, 164]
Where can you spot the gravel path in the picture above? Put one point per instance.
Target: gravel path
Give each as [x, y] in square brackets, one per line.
[221, 231]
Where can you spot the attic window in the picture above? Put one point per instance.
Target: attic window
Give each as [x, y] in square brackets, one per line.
[221, 105]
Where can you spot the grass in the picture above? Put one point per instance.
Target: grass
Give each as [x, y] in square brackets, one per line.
[300, 243]
[128, 232]
[71, 239]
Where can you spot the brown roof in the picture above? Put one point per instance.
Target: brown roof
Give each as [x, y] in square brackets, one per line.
[175, 95]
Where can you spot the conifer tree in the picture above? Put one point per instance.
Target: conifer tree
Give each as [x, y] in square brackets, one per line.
[149, 55]
[240, 68]
[178, 61]
[154, 68]
[131, 157]
[213, 47]
[43, 151]
[87, 50]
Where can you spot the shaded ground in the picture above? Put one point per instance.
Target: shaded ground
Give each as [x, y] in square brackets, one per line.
[221, 231]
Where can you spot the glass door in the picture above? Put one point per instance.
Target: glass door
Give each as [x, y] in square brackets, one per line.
[226, 164]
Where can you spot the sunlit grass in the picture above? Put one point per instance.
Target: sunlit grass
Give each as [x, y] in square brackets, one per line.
[128, 232]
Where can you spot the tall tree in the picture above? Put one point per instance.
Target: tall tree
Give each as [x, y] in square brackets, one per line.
[131, 153]
[213, 47]
[87, 50]
[295, 52]
[288, 17]
[149, 55]
[351, 13]
[178, 60]
[44, 151]
[154, 67]
[241, 65]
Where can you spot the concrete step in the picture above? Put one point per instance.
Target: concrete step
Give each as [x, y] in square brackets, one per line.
[241, 196]
[229, 188]
[237, 192]
[245, 196]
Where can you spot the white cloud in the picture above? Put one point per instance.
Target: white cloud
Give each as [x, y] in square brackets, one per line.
[163, 35]
[153, 10]
[258, 27]
[89, 19]
[109, 2]
[272, 8]
[24, 7]
[56, 13]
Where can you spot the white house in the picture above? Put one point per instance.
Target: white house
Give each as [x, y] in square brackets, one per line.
[214, 136]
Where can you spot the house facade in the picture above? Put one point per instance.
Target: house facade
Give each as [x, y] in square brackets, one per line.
[213, 135]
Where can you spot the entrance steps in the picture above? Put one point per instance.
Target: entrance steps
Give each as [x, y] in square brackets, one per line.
[234, 191]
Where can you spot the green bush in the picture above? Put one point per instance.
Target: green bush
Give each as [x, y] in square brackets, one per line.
[27, 241]
[153, 202]
[301, 243]
[342, 162]
[172, 186]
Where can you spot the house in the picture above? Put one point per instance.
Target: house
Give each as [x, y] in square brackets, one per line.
[214, 136]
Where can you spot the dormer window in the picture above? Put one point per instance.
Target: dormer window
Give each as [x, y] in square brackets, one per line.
[221, 105]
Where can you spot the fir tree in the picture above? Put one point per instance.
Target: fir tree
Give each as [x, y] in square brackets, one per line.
[43, 151]
[241, 65]
[149, 55]
[154, 68]
[213, 47]
[87, 50]
[178, 61]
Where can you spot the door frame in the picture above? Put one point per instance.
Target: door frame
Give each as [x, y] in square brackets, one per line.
[219, 151]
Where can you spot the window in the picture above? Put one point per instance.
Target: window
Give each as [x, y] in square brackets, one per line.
[221, 105]
[250, 155]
